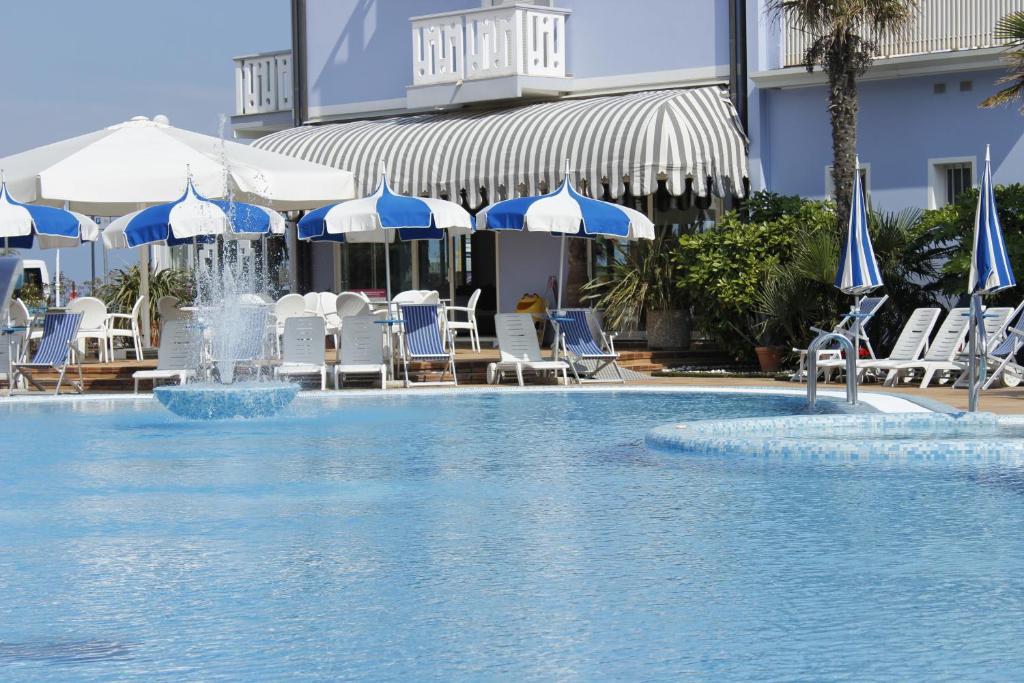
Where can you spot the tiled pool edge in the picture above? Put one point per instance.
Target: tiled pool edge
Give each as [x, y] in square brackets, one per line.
[925, 436]
[883, 403]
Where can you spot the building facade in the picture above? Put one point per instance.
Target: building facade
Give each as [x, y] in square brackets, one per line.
[518, 89]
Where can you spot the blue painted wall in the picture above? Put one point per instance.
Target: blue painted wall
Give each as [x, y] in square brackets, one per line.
[902, 125]
[361, 50]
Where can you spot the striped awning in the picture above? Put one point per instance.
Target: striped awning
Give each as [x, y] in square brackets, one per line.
[638, 138]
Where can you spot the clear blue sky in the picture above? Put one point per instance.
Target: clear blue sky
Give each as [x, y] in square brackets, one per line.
[73, 66]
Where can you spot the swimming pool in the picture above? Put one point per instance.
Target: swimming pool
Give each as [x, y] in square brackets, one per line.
[486, 535]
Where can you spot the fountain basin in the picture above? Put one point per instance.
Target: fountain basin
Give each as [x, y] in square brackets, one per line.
[208, 401]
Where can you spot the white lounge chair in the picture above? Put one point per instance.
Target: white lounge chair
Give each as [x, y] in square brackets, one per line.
[469, 324]
[517, 341]
[939, 357]
[133, 331]
[303, 349]
[909, 345]
[850, 326]
[167, 309]
[423, 340]
[582, 347]
[57, 350]
[93, 326]
[361, 351]
[177, 356]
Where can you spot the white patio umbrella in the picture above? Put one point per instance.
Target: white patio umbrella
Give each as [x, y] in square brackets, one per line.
[138, 163]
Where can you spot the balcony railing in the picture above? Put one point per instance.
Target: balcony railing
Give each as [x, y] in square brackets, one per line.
[263, 83]
[937, 26]
[519, 39]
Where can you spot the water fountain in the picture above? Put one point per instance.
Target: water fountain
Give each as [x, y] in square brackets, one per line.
[230, 322]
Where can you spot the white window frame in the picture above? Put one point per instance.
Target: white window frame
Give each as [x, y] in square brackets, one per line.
[937, 177]
[830, 190]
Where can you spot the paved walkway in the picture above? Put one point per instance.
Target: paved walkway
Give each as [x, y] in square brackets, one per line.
[1001, 401]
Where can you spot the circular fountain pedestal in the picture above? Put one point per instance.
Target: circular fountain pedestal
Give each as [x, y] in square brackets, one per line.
[223, 401]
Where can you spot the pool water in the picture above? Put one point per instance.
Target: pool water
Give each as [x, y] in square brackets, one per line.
[522, 536]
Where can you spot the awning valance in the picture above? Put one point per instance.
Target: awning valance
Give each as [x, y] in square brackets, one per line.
[670, 134]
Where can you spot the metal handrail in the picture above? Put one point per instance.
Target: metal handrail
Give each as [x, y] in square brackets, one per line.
[812, 366]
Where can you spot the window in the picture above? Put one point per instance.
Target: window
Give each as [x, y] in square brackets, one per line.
[949, 178]
[865, 181]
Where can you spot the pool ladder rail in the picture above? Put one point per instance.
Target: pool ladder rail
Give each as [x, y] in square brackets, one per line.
[812, 366]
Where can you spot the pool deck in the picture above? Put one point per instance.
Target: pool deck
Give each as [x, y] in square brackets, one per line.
[116, 378]
[999, 401]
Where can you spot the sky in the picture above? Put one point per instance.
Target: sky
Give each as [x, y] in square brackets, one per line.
[75, 66]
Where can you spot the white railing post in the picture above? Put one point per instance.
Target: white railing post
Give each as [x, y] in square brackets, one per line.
[263, 83]
[509, 40]
[937, 26]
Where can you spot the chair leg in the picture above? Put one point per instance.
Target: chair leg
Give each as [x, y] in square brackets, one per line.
[926, 380]
[519, 373]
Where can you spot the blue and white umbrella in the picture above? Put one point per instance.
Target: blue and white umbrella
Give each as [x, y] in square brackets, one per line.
[566, 212]
[191, 219]
[23, 226]
[384, 216]
[858, 271]
[990, 273]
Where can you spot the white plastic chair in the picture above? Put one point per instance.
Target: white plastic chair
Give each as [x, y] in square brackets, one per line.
[361, 351]
[20, 317]
[133, 331]
[303, 349]
[312, 300]
[328, 309]
[167, 309]
[92, 326]
[348, 304]
[177, 357]
[517, 341]
[470, 323]
[288, 306]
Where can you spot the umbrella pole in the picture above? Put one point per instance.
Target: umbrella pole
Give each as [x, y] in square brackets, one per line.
[497, 272]
[451, 270]
[144, 291]
[972, 369]
[561, 271]
[856, 333]
[387, 273]
[56, 283]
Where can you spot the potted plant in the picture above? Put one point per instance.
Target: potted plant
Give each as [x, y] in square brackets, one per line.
[640, 286]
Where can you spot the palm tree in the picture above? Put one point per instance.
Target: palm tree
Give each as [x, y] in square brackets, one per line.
[1010, 29]
[843, 41]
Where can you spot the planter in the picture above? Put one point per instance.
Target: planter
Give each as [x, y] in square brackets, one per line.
[668, 329]
[769, 357]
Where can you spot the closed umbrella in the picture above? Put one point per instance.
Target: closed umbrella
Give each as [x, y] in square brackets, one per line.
[858, 272]
[990, 273]
[567, 213]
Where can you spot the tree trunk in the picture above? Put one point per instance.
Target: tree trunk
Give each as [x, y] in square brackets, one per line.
[842, 105]
[576, 276]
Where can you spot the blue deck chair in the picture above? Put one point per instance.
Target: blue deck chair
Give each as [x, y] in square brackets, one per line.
[421, 333]
[55, 353]
[1002, 356]
[579, 346]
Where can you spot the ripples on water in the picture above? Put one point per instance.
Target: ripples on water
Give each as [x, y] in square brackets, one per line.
[528, 537]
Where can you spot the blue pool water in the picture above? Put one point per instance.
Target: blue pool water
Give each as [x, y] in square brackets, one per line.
[490, 536]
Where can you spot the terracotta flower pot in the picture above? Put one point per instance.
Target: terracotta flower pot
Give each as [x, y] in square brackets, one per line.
[769, 357]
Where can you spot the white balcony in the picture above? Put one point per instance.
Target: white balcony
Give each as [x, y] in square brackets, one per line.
[263, 83]
[511, 50]
[938, 26]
